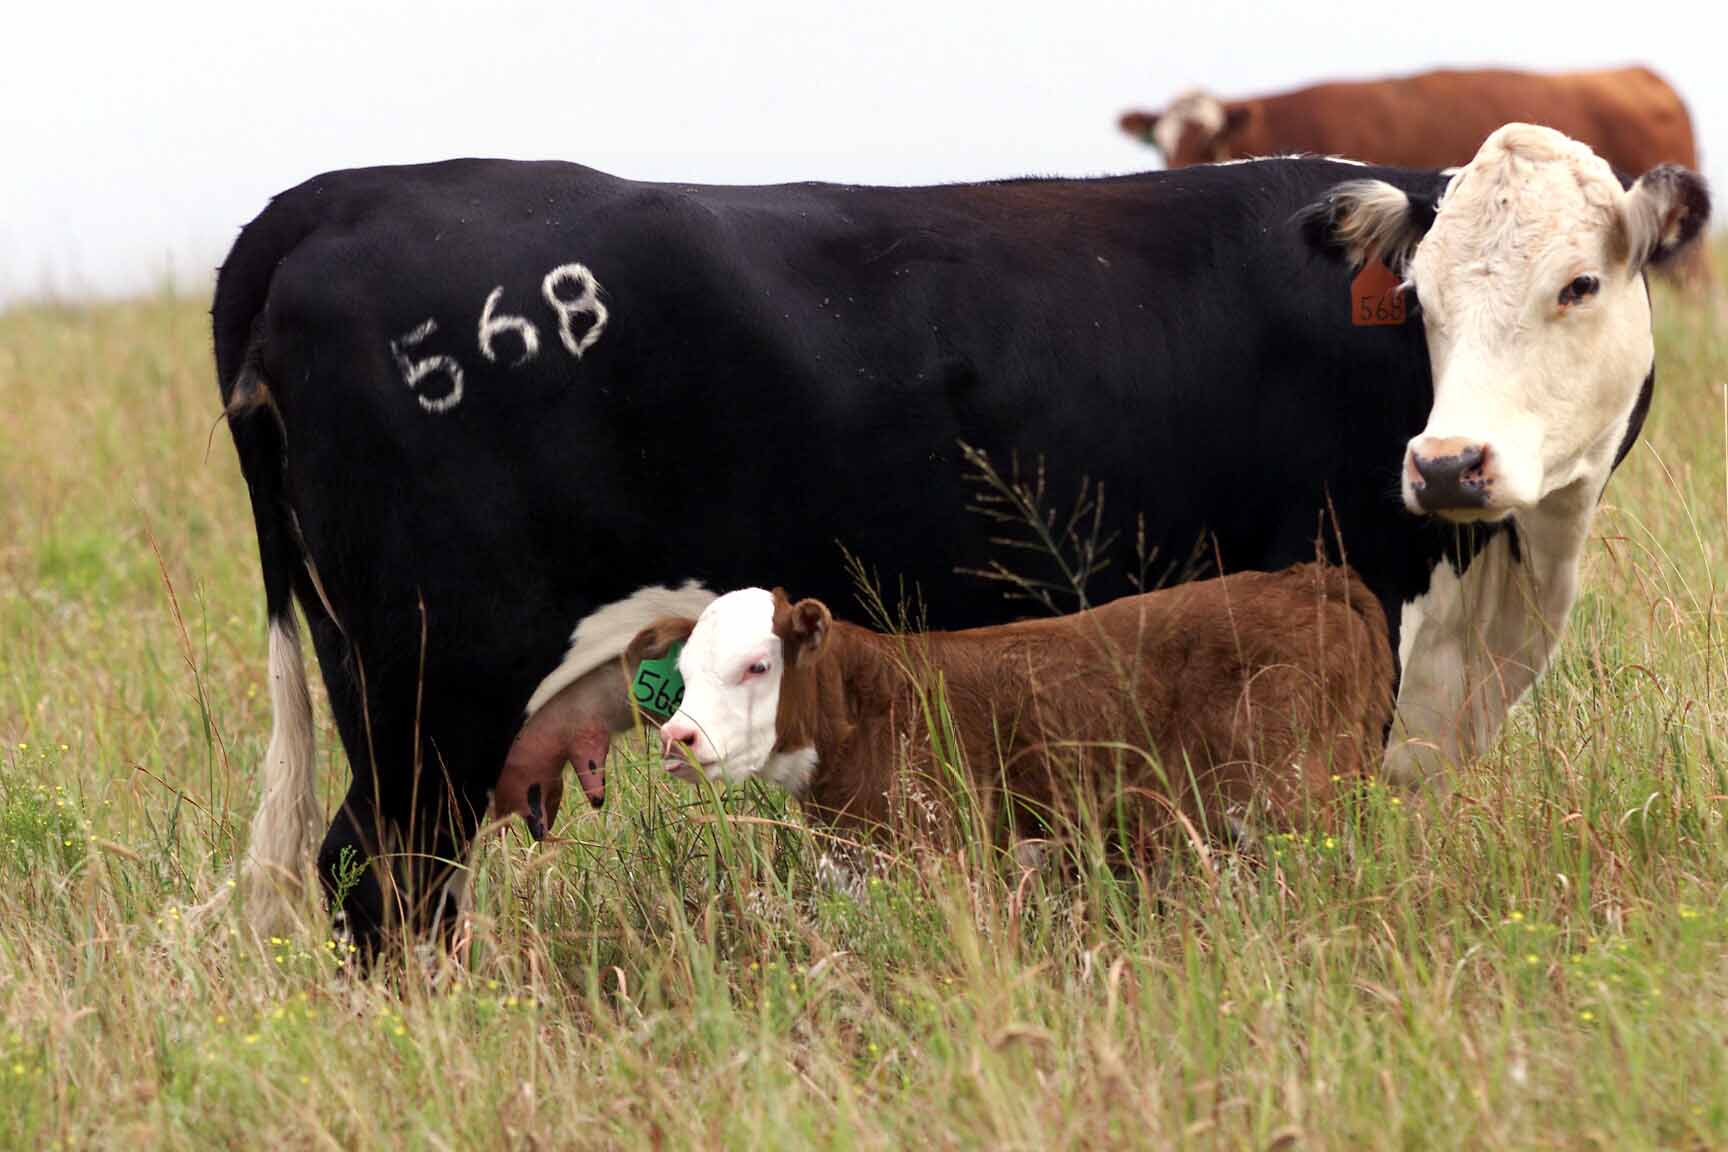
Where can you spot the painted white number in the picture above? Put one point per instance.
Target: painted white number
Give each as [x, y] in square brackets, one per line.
[586, 302]
[414, 371]
[491, 325]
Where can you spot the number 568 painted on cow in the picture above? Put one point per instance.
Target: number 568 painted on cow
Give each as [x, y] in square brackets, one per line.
[493, 324]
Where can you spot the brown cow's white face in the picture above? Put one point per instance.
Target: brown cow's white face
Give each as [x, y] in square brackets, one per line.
[1194, 119]
[1532, 295]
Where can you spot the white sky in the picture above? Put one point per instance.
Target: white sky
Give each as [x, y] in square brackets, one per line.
[138, 137]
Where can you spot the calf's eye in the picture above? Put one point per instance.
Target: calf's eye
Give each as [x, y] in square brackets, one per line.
[1580, 287]
[758, 668]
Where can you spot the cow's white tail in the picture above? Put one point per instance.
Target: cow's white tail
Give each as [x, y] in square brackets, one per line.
[279, 857]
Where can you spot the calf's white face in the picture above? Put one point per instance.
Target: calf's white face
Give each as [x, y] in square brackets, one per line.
[1530, 280]
[732, 669]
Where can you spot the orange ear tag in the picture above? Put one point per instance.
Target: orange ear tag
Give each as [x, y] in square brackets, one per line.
[1374, 297]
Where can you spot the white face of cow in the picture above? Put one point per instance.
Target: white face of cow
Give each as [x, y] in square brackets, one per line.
[1198, 112]
[1532, 294]
[732, 669]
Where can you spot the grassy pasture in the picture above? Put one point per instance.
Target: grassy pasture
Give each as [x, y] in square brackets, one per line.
[1541, 961]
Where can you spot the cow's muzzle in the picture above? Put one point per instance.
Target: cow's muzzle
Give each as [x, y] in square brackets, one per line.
[1449, 474]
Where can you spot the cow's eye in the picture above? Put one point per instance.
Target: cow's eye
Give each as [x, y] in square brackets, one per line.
[758, 668]
[1580, 287]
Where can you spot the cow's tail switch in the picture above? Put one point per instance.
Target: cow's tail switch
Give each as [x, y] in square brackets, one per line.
[289, 820]
[276, 873]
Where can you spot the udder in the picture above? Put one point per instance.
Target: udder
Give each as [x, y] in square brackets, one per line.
[574, 727]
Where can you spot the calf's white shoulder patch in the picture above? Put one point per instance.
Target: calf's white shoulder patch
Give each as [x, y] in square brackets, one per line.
[791, 770]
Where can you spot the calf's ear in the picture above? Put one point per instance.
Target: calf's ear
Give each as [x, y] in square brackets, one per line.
[1369, 220]
[657, 639]
[802, 627]
[1663, 213]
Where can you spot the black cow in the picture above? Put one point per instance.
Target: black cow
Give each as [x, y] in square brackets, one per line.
[475, 401]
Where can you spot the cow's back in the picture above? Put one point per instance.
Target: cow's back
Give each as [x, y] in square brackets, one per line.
[816, 349]
[1630, 116]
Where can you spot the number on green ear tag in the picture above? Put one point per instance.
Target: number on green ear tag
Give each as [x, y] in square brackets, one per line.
[658, 689]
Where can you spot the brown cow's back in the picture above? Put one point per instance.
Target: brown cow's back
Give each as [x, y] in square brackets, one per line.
[1630, 117]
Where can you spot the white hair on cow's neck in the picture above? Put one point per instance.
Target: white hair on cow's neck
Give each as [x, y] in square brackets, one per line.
[1291, 156]
[1196, 106]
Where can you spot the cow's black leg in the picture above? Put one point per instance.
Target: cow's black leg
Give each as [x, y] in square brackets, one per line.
[345, 865]
[434, 870]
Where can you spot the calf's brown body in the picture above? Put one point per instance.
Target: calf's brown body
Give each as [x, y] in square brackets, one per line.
[1244, 699]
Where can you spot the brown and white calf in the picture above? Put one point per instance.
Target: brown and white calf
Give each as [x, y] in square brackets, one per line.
[1240, 701]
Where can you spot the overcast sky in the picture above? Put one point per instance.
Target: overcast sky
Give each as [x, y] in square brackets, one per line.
[139, 137]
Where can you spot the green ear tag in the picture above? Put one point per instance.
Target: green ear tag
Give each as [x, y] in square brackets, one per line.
[658, 689]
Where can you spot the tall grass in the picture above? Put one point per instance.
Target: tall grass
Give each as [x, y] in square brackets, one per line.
[1543, 960]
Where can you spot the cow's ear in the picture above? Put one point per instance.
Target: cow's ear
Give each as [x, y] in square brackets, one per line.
[1664, 213]
[657, 639]
[1140, 125]
[804, 632]
[1369, 220]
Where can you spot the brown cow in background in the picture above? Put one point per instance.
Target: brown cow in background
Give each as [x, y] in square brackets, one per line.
[1629, 117]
